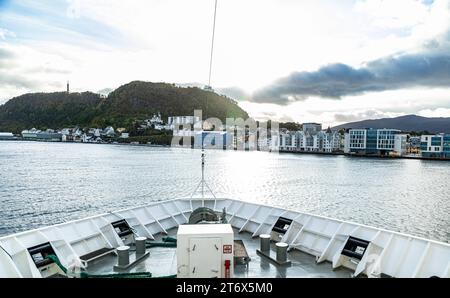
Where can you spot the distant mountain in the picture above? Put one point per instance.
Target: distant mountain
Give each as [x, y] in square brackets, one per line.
[135, 100]
[407, 123]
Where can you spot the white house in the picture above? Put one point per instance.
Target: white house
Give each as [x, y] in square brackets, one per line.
[6, 136]
[109, 131]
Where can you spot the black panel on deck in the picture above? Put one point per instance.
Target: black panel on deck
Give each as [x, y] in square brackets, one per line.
[355, 248]
[122, 228]
[39, 254]
[282, 225]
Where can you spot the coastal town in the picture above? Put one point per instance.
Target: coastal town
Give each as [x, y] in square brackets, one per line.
[311, 138]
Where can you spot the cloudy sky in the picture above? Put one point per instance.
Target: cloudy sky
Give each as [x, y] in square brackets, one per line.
[292, 60]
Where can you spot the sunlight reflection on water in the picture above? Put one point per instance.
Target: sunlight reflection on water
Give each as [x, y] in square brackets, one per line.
[49, 183]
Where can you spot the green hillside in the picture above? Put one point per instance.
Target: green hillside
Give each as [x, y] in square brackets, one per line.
[135, 100]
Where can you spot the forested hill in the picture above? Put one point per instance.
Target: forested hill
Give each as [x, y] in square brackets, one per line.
[135, 100]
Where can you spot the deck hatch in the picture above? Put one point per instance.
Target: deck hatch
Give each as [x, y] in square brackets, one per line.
[122, 228]
[355, 248]
[39, 254]
[282, 225]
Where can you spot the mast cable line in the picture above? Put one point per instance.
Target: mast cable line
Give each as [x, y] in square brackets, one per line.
[203, 182]
[212, 43]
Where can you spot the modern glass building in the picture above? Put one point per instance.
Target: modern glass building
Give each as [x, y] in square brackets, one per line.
[446, 147]
[372, 141]
[358, 139]
[386, 139]
[435, 146]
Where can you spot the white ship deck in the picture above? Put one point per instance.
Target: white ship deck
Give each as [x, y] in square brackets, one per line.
[163, 261]
[315, 243]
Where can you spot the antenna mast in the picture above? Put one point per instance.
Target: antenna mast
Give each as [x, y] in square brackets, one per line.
[212, 44]
[203, 183]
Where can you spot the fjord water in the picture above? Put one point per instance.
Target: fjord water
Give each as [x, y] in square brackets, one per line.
[48, 183]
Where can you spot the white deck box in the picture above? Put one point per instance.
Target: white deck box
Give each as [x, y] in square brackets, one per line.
[205, 251]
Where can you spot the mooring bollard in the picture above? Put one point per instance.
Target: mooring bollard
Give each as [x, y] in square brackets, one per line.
[123, 254]
[265, 243]
[140, 245]
[281, 252]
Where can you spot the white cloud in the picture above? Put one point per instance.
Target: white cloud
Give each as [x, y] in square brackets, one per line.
[5, 33]
[439, 112]
[257, 41]
[426, 102]
[388, 14]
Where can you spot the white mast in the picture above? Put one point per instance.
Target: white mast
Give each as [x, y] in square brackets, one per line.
[212, 45]
[203, 183]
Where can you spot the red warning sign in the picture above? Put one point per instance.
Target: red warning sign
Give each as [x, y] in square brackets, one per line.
[228, 249]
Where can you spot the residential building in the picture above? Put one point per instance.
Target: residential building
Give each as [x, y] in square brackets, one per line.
[108, 132]
[97, 132]
[375, 142]
[446, 146]
[156, 122]
[436, 146]
[6, 136]
[327, 141]
[38, 135]
[156, 119]
[314, 139]
[175, 121]
[287, 140]
[89, 138]
[213, 140]
[310, 139]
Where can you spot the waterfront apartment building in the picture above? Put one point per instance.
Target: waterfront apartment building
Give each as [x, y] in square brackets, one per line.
[375, 142]
[38, 135]
[435, 146]
[287, 140]
[6, 136]
[328, 141]
[213, 140]
[310, 139]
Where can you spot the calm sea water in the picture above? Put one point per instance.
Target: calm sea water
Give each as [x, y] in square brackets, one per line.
[48, 183]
